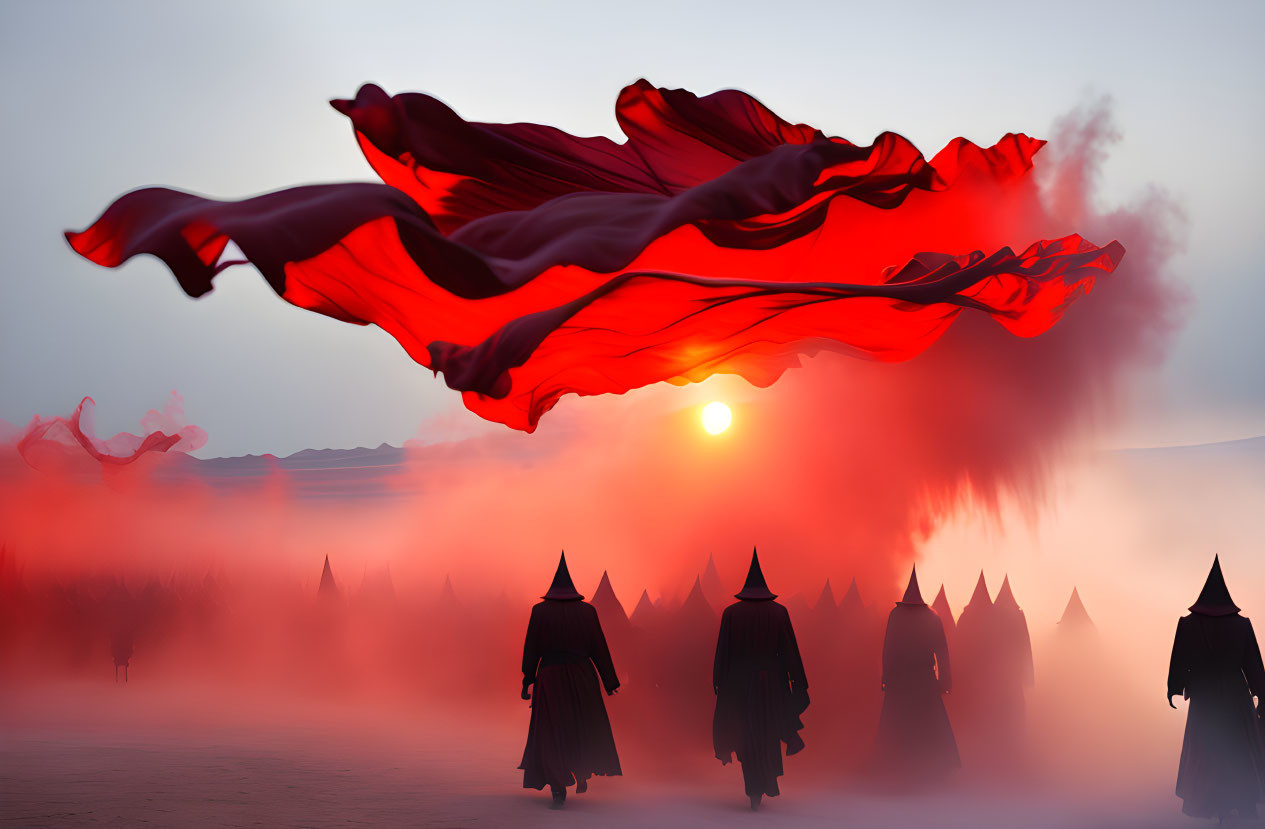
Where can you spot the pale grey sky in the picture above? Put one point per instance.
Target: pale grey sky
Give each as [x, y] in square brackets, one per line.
[231, 101]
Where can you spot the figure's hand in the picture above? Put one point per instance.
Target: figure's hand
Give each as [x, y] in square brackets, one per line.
[1170, 700]
[610, 692]
[882, 686]
[716, 690]
[526, 694]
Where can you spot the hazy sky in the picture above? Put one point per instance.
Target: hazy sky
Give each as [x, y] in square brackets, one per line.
[103, 98]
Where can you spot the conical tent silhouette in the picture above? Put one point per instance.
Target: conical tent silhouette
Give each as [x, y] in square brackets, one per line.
[644, 611]
[604, 597]
[851, 601]
[327, 587]
[912, 594]
[826, 601]
[562, 589]
[1214, 599]
[1075, 615]
[755, 588]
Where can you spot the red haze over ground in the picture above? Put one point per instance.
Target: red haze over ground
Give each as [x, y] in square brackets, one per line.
[840, 469]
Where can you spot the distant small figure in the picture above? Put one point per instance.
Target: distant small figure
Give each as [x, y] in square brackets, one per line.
[760, 686]
[121, 649]
[569, 738]
[1216, 664]
[915, 739]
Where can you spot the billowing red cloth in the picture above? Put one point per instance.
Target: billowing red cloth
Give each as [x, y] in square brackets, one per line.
[525, 263]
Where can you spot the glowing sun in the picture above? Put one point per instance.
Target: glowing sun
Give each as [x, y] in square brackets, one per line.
[716, 418]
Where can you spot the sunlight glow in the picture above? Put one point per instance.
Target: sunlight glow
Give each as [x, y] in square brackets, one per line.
[716, 418]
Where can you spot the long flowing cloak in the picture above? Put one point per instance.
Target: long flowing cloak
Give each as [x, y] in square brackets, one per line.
[761, 690]
[564, 655]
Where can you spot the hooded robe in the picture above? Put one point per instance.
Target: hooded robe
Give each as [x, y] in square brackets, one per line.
[564, 655]
[760, 685]
[1216, 664]
[915, 738]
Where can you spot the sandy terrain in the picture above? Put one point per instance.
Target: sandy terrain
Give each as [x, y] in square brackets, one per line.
[128, 756]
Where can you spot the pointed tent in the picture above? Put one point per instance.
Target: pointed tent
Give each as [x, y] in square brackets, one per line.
[755, 589]
[851, 602]
[713, 587]
[913, 596]
[1214, 599]
[446, 594]
[1075, 617]
[562, 589]
[941, 607]
[696, 609]
[644, 612]
[826, 601]
[607, 603]
[328, 587]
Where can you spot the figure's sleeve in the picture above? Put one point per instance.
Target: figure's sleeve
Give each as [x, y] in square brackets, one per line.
[1253, 670]
[600, 653]
[944, 670]
[1179, 662]
[788, 648]
[720, 665]
[531, 649]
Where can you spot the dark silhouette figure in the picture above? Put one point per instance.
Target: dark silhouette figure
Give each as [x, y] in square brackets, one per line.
[569, 738]
[915, 740]
[121, 650]
[1014, 665]
[942, 609]
[760, 686]
[682, 648]
[1216, 664]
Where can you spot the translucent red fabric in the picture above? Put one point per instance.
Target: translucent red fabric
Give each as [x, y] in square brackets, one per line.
[524, 263]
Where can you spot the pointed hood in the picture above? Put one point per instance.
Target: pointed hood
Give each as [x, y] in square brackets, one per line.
[755, 589]
[1005, 598]
[1074, 615]
[941, 607]
[1215, 599]
[327, 587]
[980, 597]
[562, 589]
[913, 596]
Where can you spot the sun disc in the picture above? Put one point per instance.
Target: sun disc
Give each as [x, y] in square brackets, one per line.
[716, 418]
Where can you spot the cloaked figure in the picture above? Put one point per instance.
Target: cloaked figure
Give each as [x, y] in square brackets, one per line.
[915, 740]
[121, 650]
[1216, 664]
[1014, 666]
[760, 686]
[564, 655]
